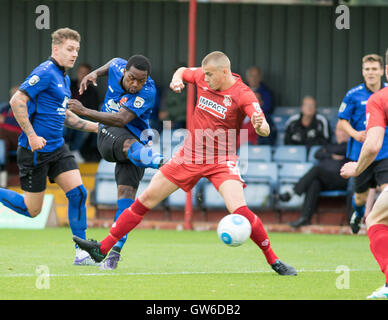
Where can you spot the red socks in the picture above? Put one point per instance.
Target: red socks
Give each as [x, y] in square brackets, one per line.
[132, 216]
[128, 220]
[378, 237]
[258, 235]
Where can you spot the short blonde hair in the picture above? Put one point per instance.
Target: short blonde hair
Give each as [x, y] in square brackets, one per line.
[218, 58]
[373, 58]
[386, 57]
[61, 35]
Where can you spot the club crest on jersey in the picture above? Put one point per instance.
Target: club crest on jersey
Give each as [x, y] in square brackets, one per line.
[33, 80]
[139, 101]
[212, 107]
[227, 101]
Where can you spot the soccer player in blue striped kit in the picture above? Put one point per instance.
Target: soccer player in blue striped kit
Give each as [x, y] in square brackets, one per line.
[124, 132]
[352, 119]
[40, 108]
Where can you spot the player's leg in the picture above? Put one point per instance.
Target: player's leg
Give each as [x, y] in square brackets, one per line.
[32, 173]
[120, 145]
[173, 175]
[362, 183]
[64, 171]
[227, 180]
[377, 225]
[141, 155]
[127, 177]
[159, 189]
[71, 183]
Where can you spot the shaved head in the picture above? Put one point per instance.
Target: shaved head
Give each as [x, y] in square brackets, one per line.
[218, 59]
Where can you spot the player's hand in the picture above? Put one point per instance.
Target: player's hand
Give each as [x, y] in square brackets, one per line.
[257, 121]
[76, 107]
[88, 79]
[177, 85]
[36, 142]
[348, 170]
[360, 136]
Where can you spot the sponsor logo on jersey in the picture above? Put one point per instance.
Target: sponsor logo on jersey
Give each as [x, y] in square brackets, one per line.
[33, 80]
[112, 106]
[212, 107]
[123, 100]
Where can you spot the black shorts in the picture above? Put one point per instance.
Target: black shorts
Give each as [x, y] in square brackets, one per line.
[110, 142]
[35, 167]
[375, 175]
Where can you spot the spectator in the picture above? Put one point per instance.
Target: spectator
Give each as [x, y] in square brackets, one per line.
[9, 128]
[323, 176]
[254, 80]
[76, 138]
[308, 127]
[173, 107]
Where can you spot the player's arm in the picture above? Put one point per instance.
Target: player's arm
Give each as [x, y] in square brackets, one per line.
[176, 83]
[91, 78]
[74, 122]
[19, 107]
[369, 151]
[117, 119]
[376, 123]
[347, 127]
[260, 124]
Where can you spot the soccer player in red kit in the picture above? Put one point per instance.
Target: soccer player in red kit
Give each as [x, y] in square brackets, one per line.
[209, 150]
[377, 219]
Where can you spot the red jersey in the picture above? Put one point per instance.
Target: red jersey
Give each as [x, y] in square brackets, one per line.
[217, 119]
[377, 109]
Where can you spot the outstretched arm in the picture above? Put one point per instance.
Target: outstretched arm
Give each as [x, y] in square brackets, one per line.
[74, 122]
[118, 119]
[177, 84]
[92, 77]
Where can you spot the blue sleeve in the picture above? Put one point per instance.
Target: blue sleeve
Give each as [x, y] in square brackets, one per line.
[346, 108]
[116, 65]
[36, 82]
[139, 103]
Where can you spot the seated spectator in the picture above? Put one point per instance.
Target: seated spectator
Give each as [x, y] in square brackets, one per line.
[173, 107]
[264, 95]
[9, 127]
[76, 138]
[323, 176]
[308, 127]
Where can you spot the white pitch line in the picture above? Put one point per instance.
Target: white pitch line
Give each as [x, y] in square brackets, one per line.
[26, 275]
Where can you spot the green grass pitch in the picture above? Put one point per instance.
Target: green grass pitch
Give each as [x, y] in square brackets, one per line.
[187, 265]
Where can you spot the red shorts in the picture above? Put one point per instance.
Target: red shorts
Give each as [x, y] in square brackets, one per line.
[186, 175]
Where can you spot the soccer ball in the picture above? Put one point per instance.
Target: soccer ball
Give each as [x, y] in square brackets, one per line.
[234, 230]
